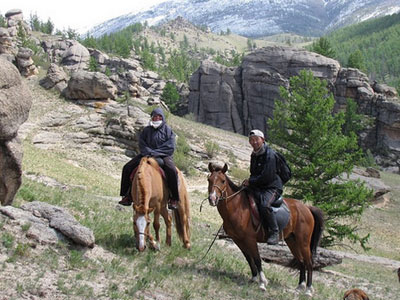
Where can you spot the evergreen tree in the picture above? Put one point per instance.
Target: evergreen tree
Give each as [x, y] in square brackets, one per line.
[356, 60]
[170, 96]
[47, 27]
[319, 154]
[148, 60]
[35, 22]
[323, 46]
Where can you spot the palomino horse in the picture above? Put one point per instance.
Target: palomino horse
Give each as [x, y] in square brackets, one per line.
[301, 234]
[150, 194]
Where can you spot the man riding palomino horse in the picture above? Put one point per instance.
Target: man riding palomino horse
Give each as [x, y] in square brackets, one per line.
[264, 182]
[156, 140]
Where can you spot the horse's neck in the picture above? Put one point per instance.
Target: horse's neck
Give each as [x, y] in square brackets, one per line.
[234, 200]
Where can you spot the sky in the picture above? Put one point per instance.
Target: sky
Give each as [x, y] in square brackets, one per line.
[79, 15]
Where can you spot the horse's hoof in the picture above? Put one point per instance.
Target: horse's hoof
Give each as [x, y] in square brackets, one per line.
[301, 287]
[309, 291]
[262, 287]
[187, 246]
[254, 279]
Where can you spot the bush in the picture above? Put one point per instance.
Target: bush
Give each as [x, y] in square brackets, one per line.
[212, 148]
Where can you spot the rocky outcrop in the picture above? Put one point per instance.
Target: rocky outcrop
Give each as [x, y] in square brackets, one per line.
[25, 63]
[49, 224]
[240, 99]
[10, 43]
[76, 57]
[15, 103]
[55, 78]
[85, 85]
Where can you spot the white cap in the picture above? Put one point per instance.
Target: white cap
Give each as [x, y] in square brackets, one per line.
[256, 132]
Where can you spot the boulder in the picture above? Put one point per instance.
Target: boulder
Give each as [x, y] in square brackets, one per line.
[56, 77]
[85, 85]
[15, 100]
[76, 57]
[50, 224]
[15, 103]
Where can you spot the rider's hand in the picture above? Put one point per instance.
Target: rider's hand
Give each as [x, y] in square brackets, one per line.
[245, 182]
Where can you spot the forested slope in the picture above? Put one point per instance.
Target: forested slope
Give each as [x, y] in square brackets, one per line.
[379, 43]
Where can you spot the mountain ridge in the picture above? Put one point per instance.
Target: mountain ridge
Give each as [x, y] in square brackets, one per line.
[256, 18]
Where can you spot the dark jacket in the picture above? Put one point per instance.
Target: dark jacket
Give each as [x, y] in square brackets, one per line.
[158, 142]
[263, 174]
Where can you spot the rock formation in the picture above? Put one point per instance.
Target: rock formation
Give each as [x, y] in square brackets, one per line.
[240, 99]
[85, 85]
[9, 43]
[15, 103]
[49, 224]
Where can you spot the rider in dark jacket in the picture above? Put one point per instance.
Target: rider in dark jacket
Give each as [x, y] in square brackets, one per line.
[264, 182]
[156, 140]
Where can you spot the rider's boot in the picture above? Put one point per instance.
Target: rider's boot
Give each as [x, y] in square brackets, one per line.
[273, 233]
[127, 199]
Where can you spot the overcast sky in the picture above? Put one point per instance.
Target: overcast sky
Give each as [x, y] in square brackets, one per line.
[80, 15]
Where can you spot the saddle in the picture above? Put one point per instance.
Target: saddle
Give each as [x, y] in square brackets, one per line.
[160, 169]
[279, 208]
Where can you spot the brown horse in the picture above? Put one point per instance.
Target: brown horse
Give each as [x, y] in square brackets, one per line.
[150, 194]
[301, 234]
[355, 294]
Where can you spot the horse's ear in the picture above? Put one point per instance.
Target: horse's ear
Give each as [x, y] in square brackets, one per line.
[225, 168]
[210, 167]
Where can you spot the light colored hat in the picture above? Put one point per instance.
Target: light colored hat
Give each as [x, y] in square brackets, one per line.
[256, 132]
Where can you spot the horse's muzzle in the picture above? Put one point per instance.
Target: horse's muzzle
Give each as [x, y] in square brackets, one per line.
[213, 199]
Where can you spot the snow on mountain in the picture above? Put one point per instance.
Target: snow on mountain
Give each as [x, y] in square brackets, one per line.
[255, 18]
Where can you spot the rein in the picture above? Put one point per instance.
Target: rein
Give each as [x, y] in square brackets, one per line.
[222, 198]
[212, 243]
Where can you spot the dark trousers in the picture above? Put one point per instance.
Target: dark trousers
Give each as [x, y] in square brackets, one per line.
[266, 199]
[168, 167]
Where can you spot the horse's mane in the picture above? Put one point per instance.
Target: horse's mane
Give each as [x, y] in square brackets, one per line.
[232, 185]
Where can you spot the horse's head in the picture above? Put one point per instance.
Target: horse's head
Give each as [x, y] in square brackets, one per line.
[140, 225]
[217, 183]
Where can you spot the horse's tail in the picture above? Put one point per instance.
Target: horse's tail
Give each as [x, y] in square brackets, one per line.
[182, 220]
[318, 228]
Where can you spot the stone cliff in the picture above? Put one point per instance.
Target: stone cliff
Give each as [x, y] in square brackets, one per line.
[240, 99]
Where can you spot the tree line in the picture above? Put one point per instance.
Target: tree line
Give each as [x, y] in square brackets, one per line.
[372, 46]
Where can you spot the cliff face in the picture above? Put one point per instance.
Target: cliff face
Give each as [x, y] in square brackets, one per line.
[240, 99]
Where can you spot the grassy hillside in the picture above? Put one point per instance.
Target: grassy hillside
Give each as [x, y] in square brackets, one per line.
[379, 42]
[115, 270]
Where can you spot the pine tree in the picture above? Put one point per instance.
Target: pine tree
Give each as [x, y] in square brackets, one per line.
[323, 46]
[356, 60]
[170, 96]
[320, 154]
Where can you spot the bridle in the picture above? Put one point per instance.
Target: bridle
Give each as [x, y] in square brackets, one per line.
[223, 191]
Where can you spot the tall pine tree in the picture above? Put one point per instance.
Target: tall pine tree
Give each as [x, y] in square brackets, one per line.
[320, 155]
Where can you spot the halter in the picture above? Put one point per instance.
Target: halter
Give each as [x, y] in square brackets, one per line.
[222, 191]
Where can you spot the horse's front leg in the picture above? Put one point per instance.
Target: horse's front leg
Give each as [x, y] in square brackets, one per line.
[168, 221]
[250, 250]
[156, 225]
